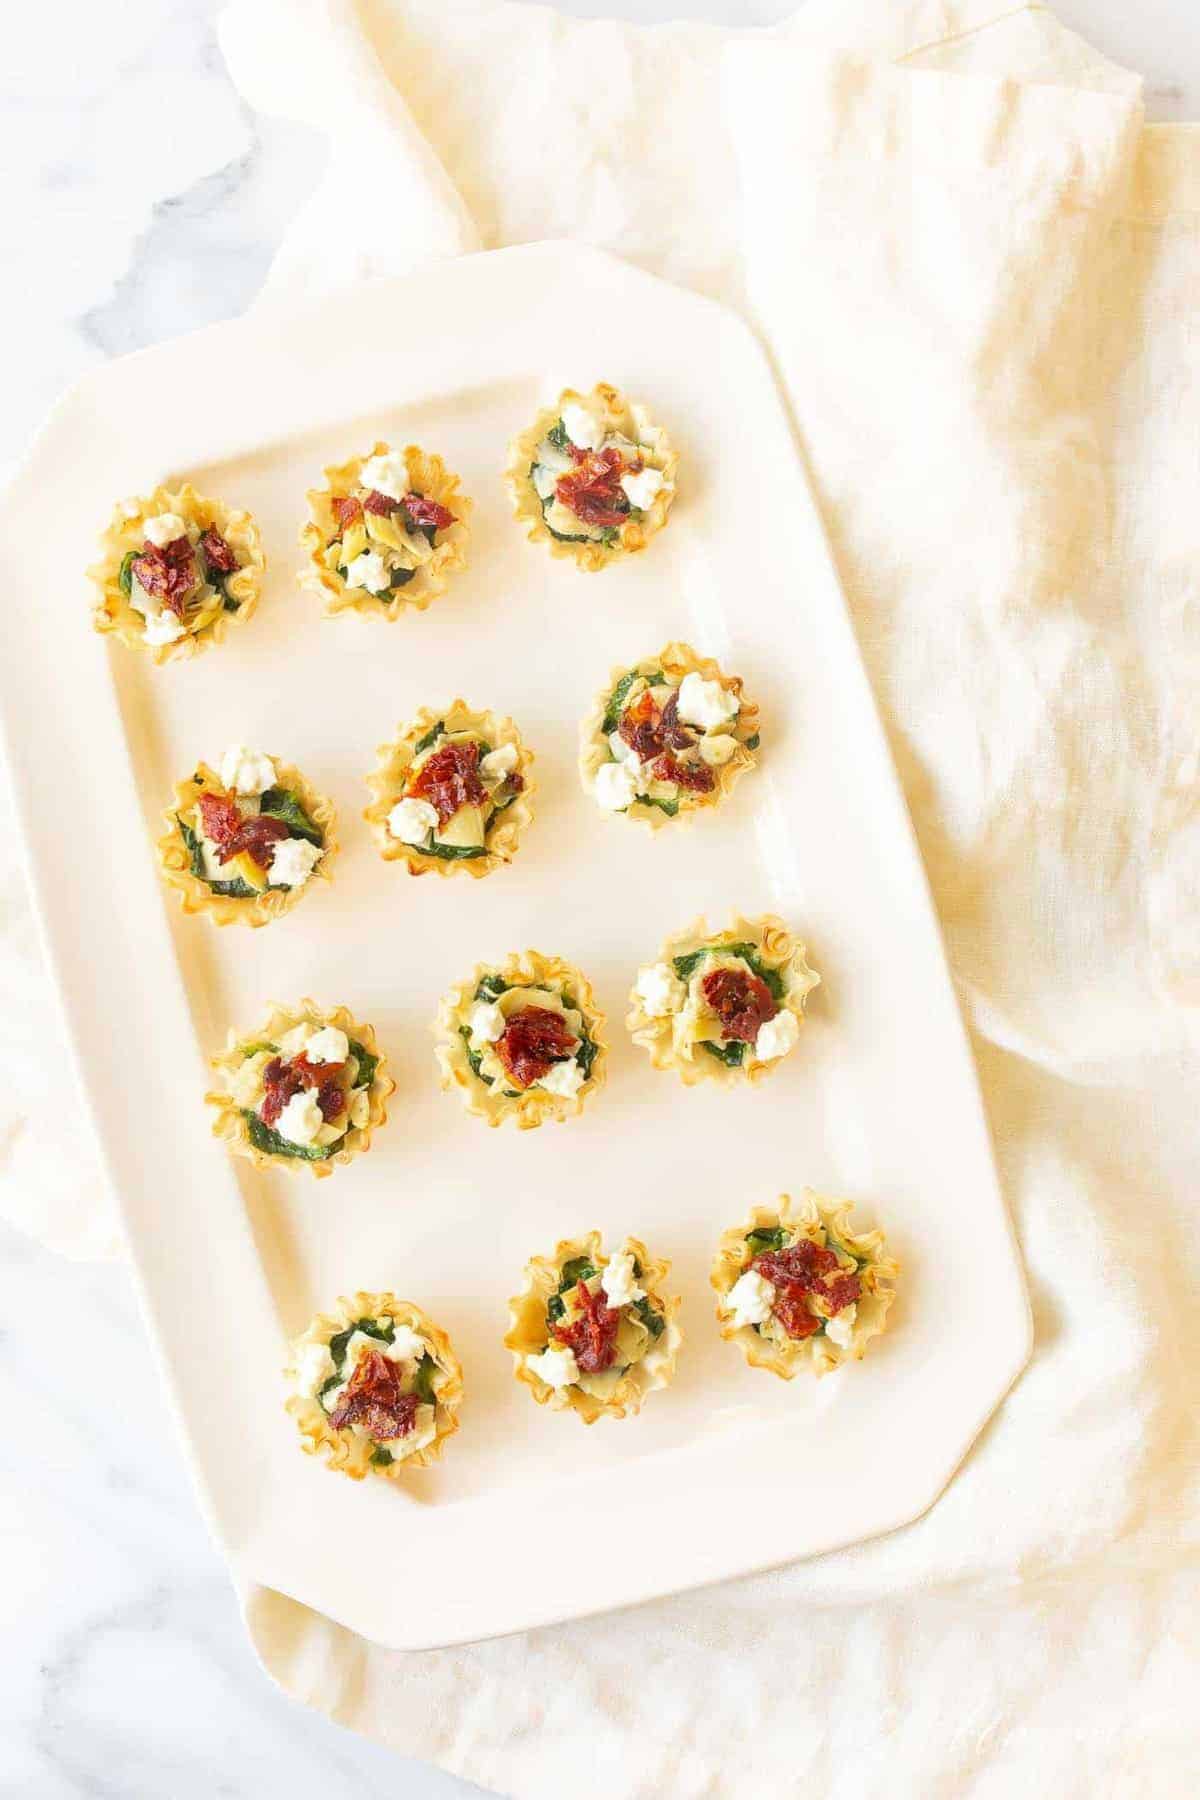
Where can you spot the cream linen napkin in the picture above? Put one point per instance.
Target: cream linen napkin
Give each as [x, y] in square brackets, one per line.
[977, 276]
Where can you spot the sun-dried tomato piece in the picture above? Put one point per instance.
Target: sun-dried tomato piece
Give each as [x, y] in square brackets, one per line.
[331, 1099]
[802, 1269]
[284, 1079]
[221, 818]
[515, 782]
[675, 734]
[374, 1398]
[697, 777]
[383, 504]
[802, 1265]
[281, 1082]
[740, 1000]
[640, 727]
[652, 730]
[349, 510]
[231, 832]
[168, 572]
[592, 490]
[593, 1335]
[449, 779]
[256, 837]
[313, 1074]
[844, 1290]
[217, 553]
[273, 1103]
[423, 511]
[533, 1040]
[795, 1315]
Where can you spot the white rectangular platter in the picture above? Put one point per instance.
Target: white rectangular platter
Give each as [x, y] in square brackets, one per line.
[530, 1517]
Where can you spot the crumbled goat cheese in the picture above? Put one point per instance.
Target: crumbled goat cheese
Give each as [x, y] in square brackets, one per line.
[660, 990]
[640, 488]
[301, 1119]
[750, 1299]
[616, 785]
[619, 1282]
[293, 862]
[247, 772]
[582, 426]
[705, 703]
[328, 1045]
[564, 1079]
[557, 1368]
[369, 571]
[164, 529]
[386, 474]
[412, 820]
[776, 1036]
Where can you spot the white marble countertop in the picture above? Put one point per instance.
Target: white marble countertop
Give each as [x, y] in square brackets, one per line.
[127, 1672]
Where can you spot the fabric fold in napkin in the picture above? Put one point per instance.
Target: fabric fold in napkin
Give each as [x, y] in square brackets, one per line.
[975, 271]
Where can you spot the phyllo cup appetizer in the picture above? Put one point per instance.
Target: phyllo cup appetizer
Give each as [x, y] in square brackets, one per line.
[594, 1333]
[376, 1387]
[725, 1005]
[592, 477]
[523, 1041]
[797, 1289]
[242, 844]
[306, 1089]
[174, 569]
[667, 737]
[386, 532]
[453, 792]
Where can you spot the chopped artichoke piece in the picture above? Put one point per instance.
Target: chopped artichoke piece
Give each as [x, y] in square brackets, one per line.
[465, 830]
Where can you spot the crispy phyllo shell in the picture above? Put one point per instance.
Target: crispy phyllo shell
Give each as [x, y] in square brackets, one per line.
[175, 861]
[675, 1039]
[352, 1452]
[826, 1223]
[556, 984]
[628, 421]
[233, 1122]
[528, 1331]
[126, 534]
[431, 566]
[675, 661]
[503, 828]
